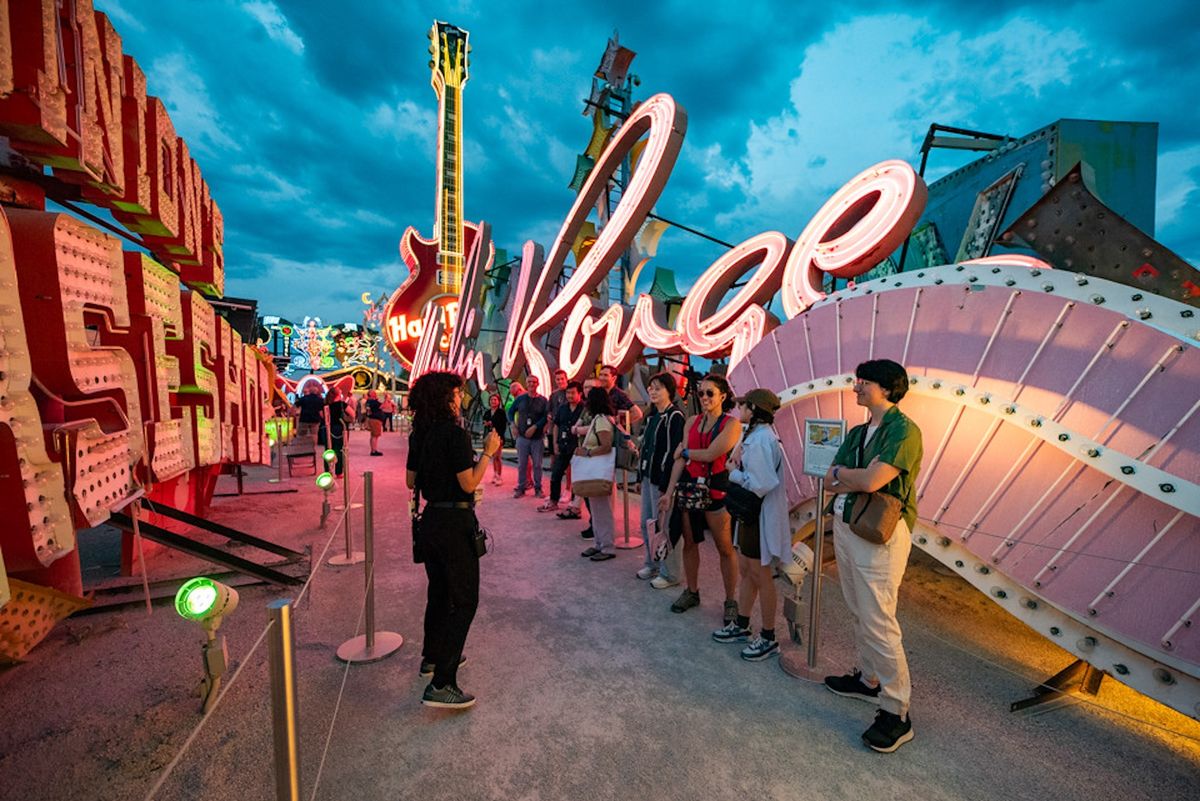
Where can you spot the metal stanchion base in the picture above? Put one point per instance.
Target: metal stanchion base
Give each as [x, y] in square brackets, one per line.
[794, 662]
[276, 480]
[343, 560]
[342, 507]
[629, 544]
[355, 649]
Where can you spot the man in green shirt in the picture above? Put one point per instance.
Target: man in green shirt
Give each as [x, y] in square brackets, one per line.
[881, 455]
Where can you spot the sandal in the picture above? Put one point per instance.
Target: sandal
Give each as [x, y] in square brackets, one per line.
[570, 513]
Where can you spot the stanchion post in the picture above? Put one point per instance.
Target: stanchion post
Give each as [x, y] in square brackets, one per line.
[627, 542]
[809, 669]
[814, 604]
[284, 701]
[372, 646]
[351, 557]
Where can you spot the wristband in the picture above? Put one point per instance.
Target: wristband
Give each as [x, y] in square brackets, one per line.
[685, 453]
[835, 473]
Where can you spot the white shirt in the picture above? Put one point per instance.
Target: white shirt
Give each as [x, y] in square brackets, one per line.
[839, 504]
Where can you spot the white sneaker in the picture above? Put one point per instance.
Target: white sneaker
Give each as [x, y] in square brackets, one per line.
[647, 573]
[663, 582]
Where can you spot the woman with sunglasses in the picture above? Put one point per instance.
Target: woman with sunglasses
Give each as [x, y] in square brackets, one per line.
[711, 435]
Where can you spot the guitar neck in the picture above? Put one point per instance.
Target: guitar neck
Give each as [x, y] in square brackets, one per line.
[450, 226]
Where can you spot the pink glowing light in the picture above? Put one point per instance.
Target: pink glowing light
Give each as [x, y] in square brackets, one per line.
[880, 206]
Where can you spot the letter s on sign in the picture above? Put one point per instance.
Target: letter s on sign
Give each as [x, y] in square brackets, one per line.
[855, 230]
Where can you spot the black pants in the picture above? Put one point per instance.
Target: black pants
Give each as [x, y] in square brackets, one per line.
[558, 469]
[453, 571]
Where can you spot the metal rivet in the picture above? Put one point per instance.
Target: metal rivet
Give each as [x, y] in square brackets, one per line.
[960, 392]
[1064, 437]
[1167, 487]
[1136, 297]
[1164, 676]
[1093, 452]
[1127, 469]
[1098, 299]
[1121, 669]
[1036, 422]
[1035, 273]
[1055, 630]
[985, 400]
[1010, 409]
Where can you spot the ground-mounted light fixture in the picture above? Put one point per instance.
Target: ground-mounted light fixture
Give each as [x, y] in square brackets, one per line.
[208, 602]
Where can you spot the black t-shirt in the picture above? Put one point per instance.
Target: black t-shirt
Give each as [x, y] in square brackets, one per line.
[438, 454]
[619, 400]
[375, 410]
[564, 418]
[663, 434]
[337, 411]
[498, 420]
[311, 408]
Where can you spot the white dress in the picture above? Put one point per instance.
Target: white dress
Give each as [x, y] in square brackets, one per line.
[762, 473]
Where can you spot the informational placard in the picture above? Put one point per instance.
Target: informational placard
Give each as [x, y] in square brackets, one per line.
[822, 438]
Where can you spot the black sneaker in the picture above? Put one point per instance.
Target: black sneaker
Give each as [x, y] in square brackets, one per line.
[448, 697]
[427, 665]
[587, 533]
[852, 686]
[888, 732]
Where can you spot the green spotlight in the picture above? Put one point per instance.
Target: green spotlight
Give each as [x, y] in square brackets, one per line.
[330, 454]
[325, 481]
[205, 601]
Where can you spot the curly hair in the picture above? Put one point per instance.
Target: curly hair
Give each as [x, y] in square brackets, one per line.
[723, 386]
[598, 401]
[430, 397]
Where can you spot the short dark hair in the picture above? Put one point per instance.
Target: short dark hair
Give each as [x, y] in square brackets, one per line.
[666, 381]
[598, 401]
[889, 375]
[560, 371]
[430, 396]
[604, 367]
[575, 385]
[722, 385]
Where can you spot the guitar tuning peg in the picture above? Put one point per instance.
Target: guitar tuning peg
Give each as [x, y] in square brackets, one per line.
[429, 33]
[431, 64]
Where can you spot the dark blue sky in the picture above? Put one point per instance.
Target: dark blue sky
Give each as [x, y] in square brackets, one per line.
[314, 122]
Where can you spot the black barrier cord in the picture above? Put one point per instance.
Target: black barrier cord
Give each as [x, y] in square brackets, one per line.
[166, 773]
[337, 705]
[1058, 690]
[1072, 552]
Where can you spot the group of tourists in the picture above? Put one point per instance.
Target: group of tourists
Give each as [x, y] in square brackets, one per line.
[718, 473]
[316, 412]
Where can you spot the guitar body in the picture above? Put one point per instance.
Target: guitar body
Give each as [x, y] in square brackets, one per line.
[403, 316]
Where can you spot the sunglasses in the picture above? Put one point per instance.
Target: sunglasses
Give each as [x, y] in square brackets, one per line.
[709, 393]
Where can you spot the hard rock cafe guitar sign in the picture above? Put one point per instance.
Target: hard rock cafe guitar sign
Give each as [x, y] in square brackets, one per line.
[436, 265]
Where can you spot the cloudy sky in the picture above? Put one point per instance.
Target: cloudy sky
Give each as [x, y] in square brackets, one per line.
[315, 124]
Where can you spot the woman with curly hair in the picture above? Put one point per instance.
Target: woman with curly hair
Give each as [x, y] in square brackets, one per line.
[443, 469]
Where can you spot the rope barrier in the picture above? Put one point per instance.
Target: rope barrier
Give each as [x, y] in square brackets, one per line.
[162, 778]
[166, 773]
[337, 705]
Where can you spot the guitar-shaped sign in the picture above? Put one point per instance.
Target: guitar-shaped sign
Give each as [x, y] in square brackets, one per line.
[435, 266]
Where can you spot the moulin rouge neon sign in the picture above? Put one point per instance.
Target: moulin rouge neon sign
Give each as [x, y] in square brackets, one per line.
[857, 228]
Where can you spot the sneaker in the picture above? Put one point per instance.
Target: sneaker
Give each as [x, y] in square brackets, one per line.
[518, 493]
[497, 481]
[731, 632]
[686, 600]
[590, 552]
[548, 506]
[427, 665]
[647, 573]
[731, 611]
[661, 582]
[603, 556]
[570, 513]
[852, 686]
[587, 533]
[759, 649]
[539, 494]
[448, 697]
[888, 732]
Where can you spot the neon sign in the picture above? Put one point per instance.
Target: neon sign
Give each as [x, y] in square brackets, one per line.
[865, 220]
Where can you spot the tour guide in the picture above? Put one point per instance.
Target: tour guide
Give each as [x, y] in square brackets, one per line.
[883, 454]
[442, 468]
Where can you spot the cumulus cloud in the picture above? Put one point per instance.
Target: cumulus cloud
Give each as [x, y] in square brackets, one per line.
[175, 79]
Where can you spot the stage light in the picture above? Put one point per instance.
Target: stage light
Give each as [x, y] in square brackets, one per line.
[325, 481]
[205, 601]
[330, 454]
[208, 602]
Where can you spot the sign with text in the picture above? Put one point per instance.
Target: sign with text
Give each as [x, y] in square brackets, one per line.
[822, 438]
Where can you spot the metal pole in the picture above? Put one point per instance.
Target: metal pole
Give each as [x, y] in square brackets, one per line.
[814, 604]
[627, 542]
[284, 702]
[372, 646]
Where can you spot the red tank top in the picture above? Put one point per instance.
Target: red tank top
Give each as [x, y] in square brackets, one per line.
[696, 439]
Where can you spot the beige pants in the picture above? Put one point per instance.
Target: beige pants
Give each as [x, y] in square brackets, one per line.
[870, 576]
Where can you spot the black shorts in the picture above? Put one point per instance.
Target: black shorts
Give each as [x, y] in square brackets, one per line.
[699, 523]
[746, 539]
